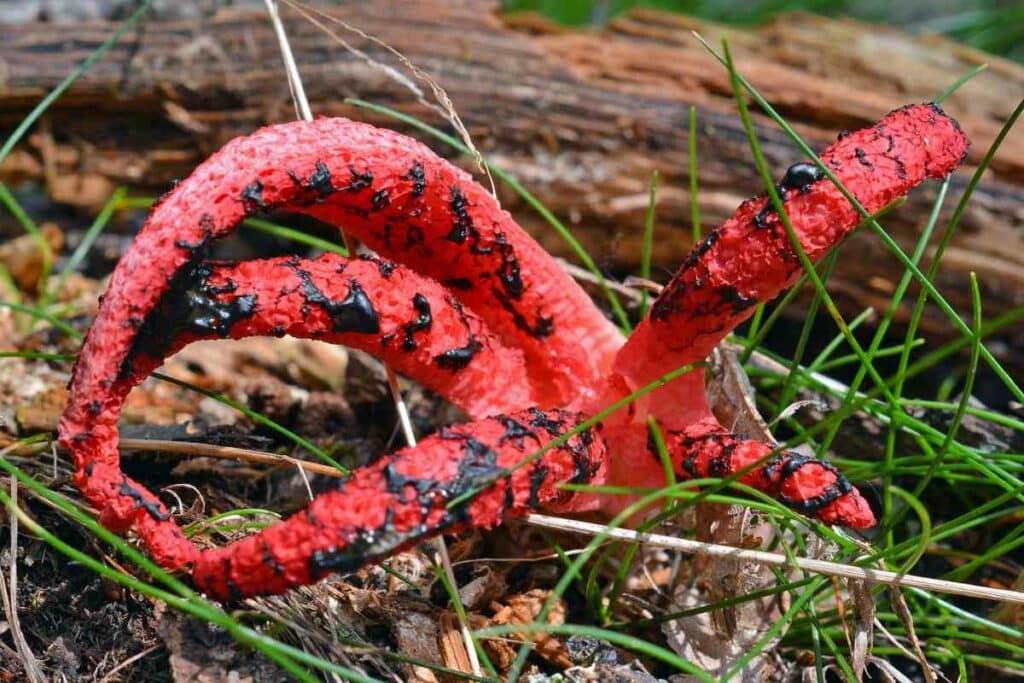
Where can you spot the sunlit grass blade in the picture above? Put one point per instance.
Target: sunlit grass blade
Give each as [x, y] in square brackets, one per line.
[256, 417]
[294, 235]
[648, 242]
[691, 159]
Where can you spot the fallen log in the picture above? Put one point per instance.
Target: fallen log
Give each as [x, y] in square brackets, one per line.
[580, 117]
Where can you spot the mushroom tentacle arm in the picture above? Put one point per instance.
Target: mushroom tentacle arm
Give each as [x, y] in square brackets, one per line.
[402, 499]
[810, 486]
[401, 317]
[398, 197]
[749, 259]
[409, 321]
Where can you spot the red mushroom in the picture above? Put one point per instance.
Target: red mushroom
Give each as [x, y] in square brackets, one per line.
[501, 330]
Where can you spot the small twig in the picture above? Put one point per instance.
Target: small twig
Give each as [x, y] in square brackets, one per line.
[444, 105]
[290, 67]
[109, 676]
[208, 450]
[10, 598]
[401, 408]
[584, 275]
[817, 566]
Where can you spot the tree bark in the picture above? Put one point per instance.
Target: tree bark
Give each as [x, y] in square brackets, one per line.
[582, 118]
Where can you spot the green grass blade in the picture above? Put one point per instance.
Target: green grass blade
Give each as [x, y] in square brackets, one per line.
[648, 242]
[256, 417]
[691, 159]
[54, 94]
[89, 239]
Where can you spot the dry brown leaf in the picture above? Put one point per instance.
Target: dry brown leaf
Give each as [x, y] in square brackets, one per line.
[501, 652]
[40, 412]
[88, 190]
[23, 258]
[523, 608]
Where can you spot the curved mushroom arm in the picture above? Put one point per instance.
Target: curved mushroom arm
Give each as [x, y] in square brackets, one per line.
[810, 486]
[403, 499]
[750, 260]
[403, 318]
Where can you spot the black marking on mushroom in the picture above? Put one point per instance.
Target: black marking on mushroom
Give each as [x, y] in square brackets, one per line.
[418, 178]
[359, 180]
[320, 180]
[735, 299]
[354, 313]
[540, 419]
[862, 157]
[583, 462]
[541, 328]
[901, 169]
[702, 247]
[381, 199]
[719, 464]
[515, 431]
[793, 464]
[459, 357]
[398, 484]
[385, 267]
[366, 545]
[422, 322]
[478, 466]
[190, 304]
[511, 278]
[761, 218]
[140, 502]
[252, 197]
[462, 226]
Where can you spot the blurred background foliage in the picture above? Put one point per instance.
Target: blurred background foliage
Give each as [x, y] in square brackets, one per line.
[996, 26]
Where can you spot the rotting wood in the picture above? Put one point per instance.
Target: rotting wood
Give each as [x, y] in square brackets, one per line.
[582, 117]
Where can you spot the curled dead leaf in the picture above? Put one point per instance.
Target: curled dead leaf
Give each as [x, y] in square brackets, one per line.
[524, 608]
